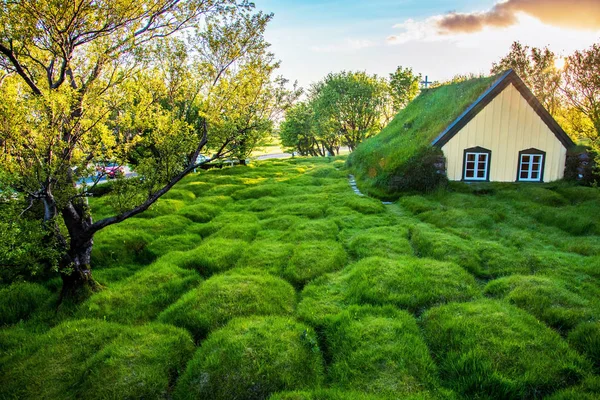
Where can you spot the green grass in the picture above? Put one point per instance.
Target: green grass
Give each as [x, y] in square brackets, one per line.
[586, 339]
[19, 300]
[251, 358]
[211, 256]
[494, 349]
[312, 259]
[237, 293]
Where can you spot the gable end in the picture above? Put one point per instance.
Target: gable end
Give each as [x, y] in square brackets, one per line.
[510, 77]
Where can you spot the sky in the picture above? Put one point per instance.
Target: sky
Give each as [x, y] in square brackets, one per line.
[437, 38]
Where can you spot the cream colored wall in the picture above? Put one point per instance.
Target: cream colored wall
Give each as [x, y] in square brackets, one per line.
[506, 126]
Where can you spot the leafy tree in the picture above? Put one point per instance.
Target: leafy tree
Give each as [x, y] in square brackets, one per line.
[349, 106]
[404, 87]
[537, 69]
[83, 84]
[298, 134]
[582, 91]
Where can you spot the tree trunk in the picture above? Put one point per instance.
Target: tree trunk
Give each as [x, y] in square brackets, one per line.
[242, 161]
[76, 270]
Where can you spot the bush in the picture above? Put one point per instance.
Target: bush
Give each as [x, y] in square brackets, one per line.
[97, 360]
[167, 244]
[236, 293]
[141, 297]
[19, 300]
[212, 256]
[381, 242]
[312, 259]
[409, 283]
[379, 350]
[200, 212]
[545, 298]
[251, 358]
[268, 256]
[586, 339]
[492, 349]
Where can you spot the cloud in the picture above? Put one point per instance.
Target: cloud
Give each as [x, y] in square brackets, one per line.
[574, 14]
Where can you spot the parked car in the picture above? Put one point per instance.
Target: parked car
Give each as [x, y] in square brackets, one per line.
[110, 169]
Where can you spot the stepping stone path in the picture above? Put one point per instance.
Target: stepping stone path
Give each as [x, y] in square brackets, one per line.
[359, 193]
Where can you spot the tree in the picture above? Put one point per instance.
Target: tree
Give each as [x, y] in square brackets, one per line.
[297, 132]
[582, 91]
[404, 87]
[349, 106]
[82, 85]
[537, 69]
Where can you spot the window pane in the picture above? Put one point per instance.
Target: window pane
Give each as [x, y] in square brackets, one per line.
[470, 157]
[523, 174]
[534, 175]
[525, 159]
[482, 165]
[535, 167]
[470, 165]
[470, 174]
[481, 174]
[537, 159]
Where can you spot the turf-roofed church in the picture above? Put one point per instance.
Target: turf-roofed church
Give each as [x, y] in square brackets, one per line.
[487, 129]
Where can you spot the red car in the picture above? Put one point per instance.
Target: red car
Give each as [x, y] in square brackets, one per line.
[110, 170]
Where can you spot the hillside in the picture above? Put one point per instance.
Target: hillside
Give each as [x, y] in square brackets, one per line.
[381, 158]
[275, 281]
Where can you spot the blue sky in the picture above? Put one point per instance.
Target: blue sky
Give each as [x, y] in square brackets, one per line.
[312, 38]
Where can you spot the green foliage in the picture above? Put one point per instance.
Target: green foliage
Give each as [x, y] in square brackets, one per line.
[409, 283]
[211, 256]
[379, 350]
[313, 259]
[97, 360]
[141, 297]
[19, 300]
[404, 87]
[404, 143]
[492, 349]
[586, 339]
[543, 297]
[252, 358]
[237, 293]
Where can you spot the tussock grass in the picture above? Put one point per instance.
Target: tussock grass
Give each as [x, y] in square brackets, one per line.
[379, 350]
[19, 300]
[409, 283]
[586, 339]
[237, 293]
[200, 212]
[326, 394]
[97, 360]
[141, 297]
[167, 244]
[543, 297]
[272, 257]
[212, 256]
[252, 358]
[320, 229]
[385, 241]
[313, 259]
[492, 349]
[186, 196]
[323, 298]
[162, 207]
[589, 389]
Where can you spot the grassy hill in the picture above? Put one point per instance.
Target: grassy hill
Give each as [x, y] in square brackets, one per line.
[403, 146]
[275, 281]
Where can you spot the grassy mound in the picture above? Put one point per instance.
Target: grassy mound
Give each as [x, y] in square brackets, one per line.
[323, 298]
[586, 339]
[380, 242]
[313, 259]
[211, 256]
[141, 297]
[409, 283]
[545, 298]
[97, 360]
[200, 212]
[167, 244]
[489, 348]
[268, 256]
[320, 229]
[237, 293]
[327, 394]
[252, 358]
[19, 300]
[588, 390]
[377, 161]
[379, 350]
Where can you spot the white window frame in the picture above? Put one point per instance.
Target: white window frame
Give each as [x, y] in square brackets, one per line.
[530, 167]
[478, 156]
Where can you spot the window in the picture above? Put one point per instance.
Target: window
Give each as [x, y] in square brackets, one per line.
[531, 165]
[477, 164]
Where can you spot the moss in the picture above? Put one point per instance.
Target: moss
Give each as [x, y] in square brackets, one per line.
[212, 256]
[237, 293]
[19, 300]
[379, 350]
[97, 360]
[409, 283]
[312, 259]
[492, 349]
[252, 358]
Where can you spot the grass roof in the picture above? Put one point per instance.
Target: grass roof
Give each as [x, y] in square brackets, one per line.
[411, 132]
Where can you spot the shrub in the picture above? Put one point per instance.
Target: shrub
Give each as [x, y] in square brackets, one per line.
[268, 256]
[379, 350]
[545, 298]
[141, 297]
[586, 339]
[382, 242]
[251, 358]
[19, 300]
[200, 212]
[409, 283]
[237, 293]
[166, 244]
[492, 349]
[98, 360]
[212, 256]
[312, 259]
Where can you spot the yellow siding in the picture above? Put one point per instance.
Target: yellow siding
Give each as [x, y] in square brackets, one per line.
[506, 126]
